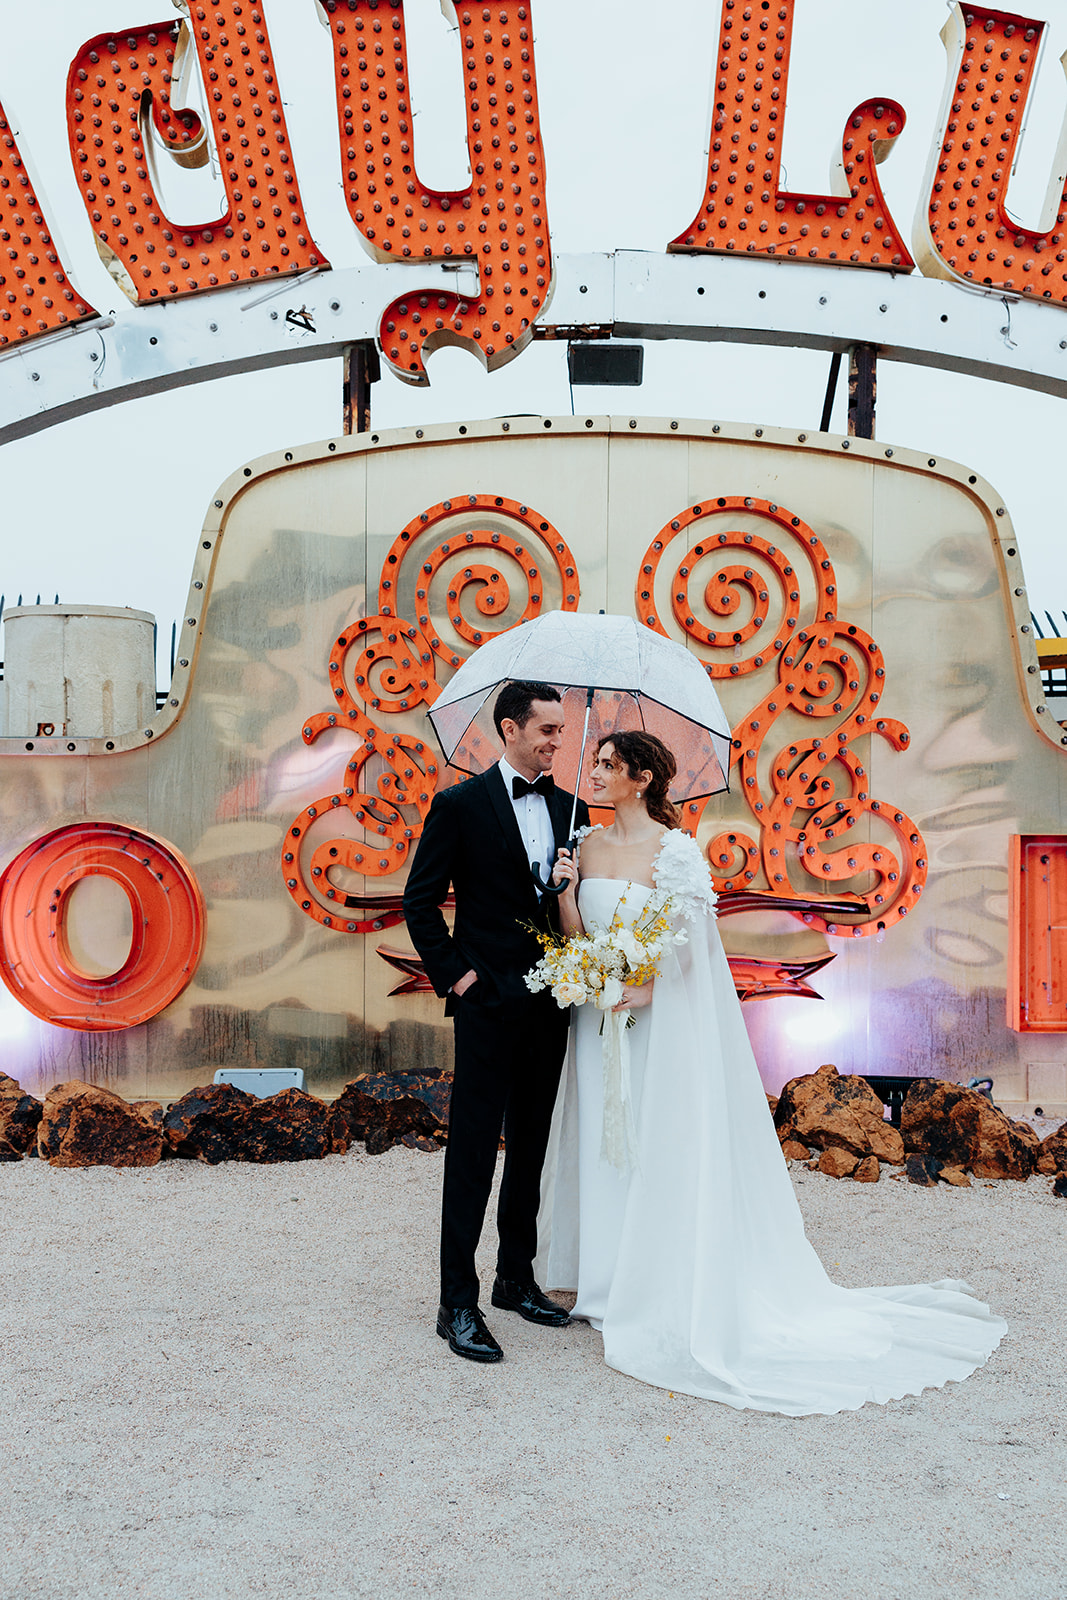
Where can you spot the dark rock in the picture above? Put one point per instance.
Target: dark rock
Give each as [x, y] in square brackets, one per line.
[206, 1124]
[419, 1141]
[290, 1126]
[923, 1170]
[962, 1128]
[837, 1162]
[1059, 1185]
[381, 1109]
[20, 1116]
[220, 1122]
[869, 1170]
[772, 1103]
[83, 1126]
[829, 1111]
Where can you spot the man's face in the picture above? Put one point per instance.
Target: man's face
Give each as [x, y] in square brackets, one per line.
[531, 750]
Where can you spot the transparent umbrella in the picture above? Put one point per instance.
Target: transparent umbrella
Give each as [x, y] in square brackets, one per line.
[614, 674]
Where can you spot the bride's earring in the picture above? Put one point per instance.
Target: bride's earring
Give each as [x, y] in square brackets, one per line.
[639, 794]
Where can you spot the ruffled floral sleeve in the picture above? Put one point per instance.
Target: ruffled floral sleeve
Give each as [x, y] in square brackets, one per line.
[583, 833]
[681, 871]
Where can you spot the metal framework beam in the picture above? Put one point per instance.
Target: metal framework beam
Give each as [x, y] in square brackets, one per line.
[924, 321]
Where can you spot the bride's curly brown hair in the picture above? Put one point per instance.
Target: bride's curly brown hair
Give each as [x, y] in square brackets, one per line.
[643, 752]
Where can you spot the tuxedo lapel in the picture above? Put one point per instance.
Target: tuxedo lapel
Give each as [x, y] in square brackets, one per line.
[559, 811]
[505, 816]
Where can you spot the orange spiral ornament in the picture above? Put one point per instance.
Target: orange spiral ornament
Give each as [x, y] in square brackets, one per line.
[449, 590]
[749, 602]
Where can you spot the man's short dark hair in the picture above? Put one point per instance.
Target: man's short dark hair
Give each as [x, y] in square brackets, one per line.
[515, 701]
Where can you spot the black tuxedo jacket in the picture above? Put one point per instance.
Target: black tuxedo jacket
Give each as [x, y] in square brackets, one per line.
[471, 841]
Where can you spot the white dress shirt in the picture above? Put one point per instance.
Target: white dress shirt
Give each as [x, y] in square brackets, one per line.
[535, 824]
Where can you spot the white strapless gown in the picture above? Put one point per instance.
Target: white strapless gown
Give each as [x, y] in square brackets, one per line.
[694, 1264]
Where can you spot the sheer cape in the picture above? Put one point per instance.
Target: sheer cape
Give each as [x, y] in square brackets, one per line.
[715, 1290]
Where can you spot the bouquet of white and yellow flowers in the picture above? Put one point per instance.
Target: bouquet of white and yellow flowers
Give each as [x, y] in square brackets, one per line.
[595, 967]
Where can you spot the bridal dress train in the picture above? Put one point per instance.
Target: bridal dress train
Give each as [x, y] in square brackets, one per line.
[690, 1254]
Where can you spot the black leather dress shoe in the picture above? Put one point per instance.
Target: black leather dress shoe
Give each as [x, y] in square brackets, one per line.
[464, 1328]
[529, 1302]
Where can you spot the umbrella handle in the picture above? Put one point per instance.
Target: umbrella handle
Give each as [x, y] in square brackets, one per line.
[550, 888]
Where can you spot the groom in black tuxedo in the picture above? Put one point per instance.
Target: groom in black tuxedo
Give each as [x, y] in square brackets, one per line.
[483, 837]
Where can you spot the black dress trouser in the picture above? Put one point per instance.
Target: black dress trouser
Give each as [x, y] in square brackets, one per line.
[507, 1070]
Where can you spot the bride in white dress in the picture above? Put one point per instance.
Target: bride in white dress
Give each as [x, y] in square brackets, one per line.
[688, 1253]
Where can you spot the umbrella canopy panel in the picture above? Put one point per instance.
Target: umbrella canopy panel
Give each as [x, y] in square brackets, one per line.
[641, 681]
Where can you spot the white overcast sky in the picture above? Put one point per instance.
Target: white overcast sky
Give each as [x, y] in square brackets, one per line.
[107, 509]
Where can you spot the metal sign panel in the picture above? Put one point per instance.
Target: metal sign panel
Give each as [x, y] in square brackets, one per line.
[862, 610]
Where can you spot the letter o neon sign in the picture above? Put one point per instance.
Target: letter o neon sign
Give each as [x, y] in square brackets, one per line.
[168, 926]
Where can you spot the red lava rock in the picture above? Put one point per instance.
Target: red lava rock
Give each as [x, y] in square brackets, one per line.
[961, 1127]
[383, 1108]
[772, 1102]
[922, 1170]
[837, 1163]
[1052, 1155]
[793, 1150]
[1059, 1185]
[20, 1116]
[829, 1111]
[868, 1170]
[83, 1126]
[956, 1176]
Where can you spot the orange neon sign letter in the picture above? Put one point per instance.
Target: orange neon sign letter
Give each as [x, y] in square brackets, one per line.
[119, 107]
[498, 223]
[745, 208]
[35, 297]
[992, 56]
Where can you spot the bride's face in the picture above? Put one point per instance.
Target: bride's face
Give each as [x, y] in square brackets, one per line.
[609, 780]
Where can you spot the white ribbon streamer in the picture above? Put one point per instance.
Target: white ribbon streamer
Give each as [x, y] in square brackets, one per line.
[618, 1143]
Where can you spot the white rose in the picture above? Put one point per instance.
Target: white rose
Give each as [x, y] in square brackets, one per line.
[569, 994]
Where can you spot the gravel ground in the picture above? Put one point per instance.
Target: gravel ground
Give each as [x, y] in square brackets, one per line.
[226, 1382]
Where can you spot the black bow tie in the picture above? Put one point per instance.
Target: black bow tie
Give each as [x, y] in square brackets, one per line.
[543, 785]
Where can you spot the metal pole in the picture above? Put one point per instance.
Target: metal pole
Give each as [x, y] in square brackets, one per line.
[831, 390]
[361, 369]
[862, 390]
